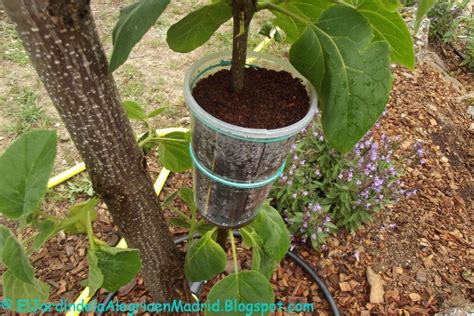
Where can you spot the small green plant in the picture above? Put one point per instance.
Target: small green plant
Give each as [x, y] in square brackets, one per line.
[30, 114]
[452, 25]
[83, 187]
[266, 235]
[10, 45]
[26, 167]
[323, 190]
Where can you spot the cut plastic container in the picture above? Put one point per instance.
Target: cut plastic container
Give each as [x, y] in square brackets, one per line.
[235, 167]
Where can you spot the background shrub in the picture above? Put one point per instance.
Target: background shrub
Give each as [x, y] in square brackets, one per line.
[322, 190]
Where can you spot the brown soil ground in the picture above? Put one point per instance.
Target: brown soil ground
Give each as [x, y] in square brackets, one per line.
[270, 99]
[422, 247]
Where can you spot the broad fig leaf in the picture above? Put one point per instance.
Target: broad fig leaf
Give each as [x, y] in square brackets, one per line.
[423, 7]
[390, 26]
[173, 151]
[272, 231]
[134, 111]
[25, 168]
[134, 21]
[204, 259]
[95, 278]
[261, 260]
[4, 234]
[15, 259]
[19, 291]
[196, 28]
[247, 287]
[118, 265]
[309, 9]
[78, 214]
[387, 5]
[357, 77]
[46, 231]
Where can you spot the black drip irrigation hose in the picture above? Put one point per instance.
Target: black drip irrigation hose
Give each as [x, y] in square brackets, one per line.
[295, 258]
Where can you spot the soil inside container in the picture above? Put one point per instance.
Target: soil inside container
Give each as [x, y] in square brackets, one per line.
[270, 99]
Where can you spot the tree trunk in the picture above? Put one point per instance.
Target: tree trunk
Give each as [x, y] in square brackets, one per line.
[242, 12]
[64, 47]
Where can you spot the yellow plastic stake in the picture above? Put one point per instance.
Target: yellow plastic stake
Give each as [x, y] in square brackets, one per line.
[66, 175]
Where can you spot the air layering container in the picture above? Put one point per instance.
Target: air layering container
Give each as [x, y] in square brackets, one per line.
[234, 167]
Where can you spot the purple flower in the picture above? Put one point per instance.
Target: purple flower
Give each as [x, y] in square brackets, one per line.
[313, 236]
[316, 208]
[305, 193]
[365, 194]
[327, 219]
[350, 174]
[302, 162]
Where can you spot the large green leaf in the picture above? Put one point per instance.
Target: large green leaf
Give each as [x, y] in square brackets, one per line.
[118, 266]
[423, 7]
[20, 292]
[390, 27]
[387, 5]
[25, 168]
[261, 260]
[4, 234]
[272, 231]
[174, 151]
[196, 28]
[95, 278]
[204, 259]
[247, 287]
[75, 222]
[134, 21]
[15, 259]
[309, 9]
[356, 82]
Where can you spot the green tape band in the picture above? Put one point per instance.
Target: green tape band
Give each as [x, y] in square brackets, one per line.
[235, 184]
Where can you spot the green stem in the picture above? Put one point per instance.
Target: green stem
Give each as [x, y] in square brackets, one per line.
[90, 232]
[273, 7]
[234, 251]
[149, 137]
[178, 212]
[50, 217]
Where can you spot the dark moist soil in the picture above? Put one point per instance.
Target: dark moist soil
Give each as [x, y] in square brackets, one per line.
[270, 99]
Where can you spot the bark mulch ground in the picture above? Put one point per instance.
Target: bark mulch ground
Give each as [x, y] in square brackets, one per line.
[421, 247]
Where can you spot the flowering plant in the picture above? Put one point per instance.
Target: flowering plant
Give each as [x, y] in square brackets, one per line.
[323, 190]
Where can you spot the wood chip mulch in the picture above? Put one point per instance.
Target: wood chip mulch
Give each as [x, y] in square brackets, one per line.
[422, 248]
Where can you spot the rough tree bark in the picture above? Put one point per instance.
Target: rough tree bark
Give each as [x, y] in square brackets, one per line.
[64, 47]
[242, 12]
